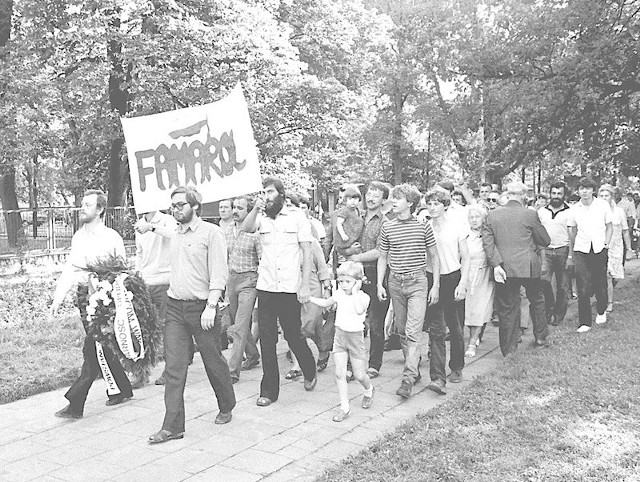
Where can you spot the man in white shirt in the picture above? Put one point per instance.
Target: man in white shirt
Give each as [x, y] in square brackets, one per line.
[90, 243]
[554, 218]
[283, 284]
[590, 231]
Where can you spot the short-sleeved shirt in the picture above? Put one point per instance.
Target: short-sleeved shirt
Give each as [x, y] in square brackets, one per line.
[590, 222]
[353, 225]
[89, 246]
[405, 241]
[347, 318]
[280, 266]
[198, 261]
[370, 237]
[449, 233]
[244, 250]
[556, 225]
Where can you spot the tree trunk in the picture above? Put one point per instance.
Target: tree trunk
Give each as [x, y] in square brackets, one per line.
[8, 196]
[119, 101]
[396, 139]
[9, 200]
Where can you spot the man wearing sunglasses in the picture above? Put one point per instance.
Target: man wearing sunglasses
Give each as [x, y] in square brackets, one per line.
[198, 276]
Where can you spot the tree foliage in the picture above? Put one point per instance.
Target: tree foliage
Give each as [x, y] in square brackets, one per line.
[338, 90]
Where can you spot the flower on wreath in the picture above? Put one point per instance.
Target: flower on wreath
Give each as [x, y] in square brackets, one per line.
[101, 311]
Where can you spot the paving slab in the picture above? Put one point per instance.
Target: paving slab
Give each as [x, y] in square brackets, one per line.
[293, 439]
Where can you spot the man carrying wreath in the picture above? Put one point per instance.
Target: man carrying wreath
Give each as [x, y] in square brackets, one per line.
[92, 242]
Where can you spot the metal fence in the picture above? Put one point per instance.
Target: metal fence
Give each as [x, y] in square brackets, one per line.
[51, 228]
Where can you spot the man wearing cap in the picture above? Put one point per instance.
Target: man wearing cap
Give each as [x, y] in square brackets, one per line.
[512, 238]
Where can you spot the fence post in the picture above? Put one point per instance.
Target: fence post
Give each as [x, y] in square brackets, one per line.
[51, 229]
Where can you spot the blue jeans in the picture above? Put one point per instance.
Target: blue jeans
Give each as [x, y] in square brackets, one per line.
[556, 261]
[409, 297]
[242, 293]
[183, 324]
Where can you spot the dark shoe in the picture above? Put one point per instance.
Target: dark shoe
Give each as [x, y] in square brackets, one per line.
[310, 384]
[455, 376]
[68, 412]
[368, 401]
[250, 363]
[263, 402]
[117, 400]
[341, 415]
[164, 436]
[405, 389]
[322, 364]
[160, 380]
[223, 418]
[438, 386]
[293, 374]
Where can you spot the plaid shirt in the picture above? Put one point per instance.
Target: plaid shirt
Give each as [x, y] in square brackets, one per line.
[244, 250]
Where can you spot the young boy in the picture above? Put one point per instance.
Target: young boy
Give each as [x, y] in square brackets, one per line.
[349, 223]
[351, 310]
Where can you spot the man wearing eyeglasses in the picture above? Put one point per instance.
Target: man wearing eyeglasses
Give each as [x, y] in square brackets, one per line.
[198, 276]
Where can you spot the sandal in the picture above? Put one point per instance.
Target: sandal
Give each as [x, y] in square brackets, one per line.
[471, 351]
[164, 436]
[341, 415]
[293, 374]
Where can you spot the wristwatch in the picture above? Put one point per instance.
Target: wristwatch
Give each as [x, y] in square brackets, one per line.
[153, 229]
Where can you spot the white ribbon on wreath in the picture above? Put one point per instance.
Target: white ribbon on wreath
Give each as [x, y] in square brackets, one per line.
[126, 325]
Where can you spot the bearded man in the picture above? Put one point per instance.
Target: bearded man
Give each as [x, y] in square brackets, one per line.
[92, 242]
[558, 255]
[283, 284]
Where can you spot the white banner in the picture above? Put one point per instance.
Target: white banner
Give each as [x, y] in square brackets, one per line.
[109, 379]
[126, 322]
[210, 147]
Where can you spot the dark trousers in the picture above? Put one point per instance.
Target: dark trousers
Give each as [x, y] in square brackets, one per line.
[286, 308]
[591, 278]
[181, 326]
[507, 304]
[556, 305]
[77, 394]
[376, 314]
[445, 314]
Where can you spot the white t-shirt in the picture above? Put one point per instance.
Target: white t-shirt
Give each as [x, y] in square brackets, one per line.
[591, 222]
[347, 318]
[448, 235]
[556, 225]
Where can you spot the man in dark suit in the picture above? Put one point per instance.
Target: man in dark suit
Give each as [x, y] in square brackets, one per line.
[512, 237]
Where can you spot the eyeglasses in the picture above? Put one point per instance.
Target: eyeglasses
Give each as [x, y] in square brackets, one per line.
[493, 199]
[178, 206]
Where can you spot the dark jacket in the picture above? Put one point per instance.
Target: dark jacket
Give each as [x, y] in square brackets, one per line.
[512, 236]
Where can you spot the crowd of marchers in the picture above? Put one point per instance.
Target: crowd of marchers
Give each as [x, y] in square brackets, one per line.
[389, 263]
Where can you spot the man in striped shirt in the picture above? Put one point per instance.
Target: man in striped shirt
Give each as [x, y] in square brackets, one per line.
[404, 245]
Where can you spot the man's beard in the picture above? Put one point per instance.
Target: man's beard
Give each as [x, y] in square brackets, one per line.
[274, 207]
[556, 203]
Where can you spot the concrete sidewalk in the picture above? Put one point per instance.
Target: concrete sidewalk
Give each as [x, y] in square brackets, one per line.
[293, 439]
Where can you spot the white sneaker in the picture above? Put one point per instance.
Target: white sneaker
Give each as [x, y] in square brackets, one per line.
[601, 318]
[583, 329]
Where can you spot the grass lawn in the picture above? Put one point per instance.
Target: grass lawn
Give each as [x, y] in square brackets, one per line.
[36, 354]
[567, 413]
